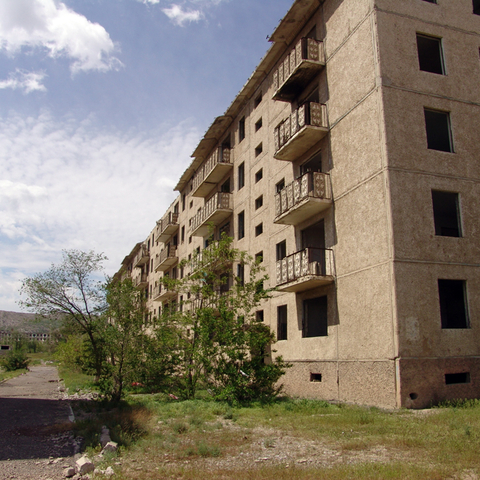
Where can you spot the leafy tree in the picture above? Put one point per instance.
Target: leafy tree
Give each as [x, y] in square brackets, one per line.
[15, 359]
[71, 290]
[220, 344]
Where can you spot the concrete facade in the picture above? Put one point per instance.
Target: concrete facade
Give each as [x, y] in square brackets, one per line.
[326, 149]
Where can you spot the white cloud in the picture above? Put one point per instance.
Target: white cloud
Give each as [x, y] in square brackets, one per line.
[68, 184]
[26, 81]
[51, 26]
[181, 17]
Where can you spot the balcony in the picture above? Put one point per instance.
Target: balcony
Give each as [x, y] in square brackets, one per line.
[142, 257]
[215, 211]
[306, 196]
[305, 270]
[211, 172]
[141, 281]
[161, 293]
[298, 69]
[167, 258]
[300, 131]
[166, 227]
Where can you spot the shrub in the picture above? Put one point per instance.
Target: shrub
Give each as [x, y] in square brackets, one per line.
[15, 360]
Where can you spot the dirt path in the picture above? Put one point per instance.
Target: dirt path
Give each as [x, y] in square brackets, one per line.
[35, 438]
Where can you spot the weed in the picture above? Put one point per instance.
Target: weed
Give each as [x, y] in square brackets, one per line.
[180, 427]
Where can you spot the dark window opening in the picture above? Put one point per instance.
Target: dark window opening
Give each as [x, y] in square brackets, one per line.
[259, 202]
[258, 100]
[225, 188]
[258, 150]
[313, 165]
[259, 316]
[315, 377]
[183, 234]
[259, 175]
[476, 7]
[241, 274]
[258, 125]
[446, 214]
[315, 322]
[280, 186]
[453, 305]
[438, 128]
[259, 257]
[430, 54]
[282, 322]
[241, 225]
[430, 1]
[241, 176]
[183, 202]
[175, 208]
[241, 129]
[453, 378]
[224, 229]
[259, 229]
[191, 204]
[281, 250]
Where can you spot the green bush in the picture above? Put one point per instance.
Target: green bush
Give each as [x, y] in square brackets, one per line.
[15, 360]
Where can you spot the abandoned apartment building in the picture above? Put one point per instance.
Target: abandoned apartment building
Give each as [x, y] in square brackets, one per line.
[349, 162]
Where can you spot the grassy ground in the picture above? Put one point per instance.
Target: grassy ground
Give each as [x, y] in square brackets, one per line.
[8, 375]
[291, 439]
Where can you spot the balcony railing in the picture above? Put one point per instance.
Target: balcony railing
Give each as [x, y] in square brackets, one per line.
[212, 171]
[300, 131]
[141, 281]
[167, 258]
[142, 257]
[303, 198]
[298, 69]
[162, 293]
[306, 269]
[215, 211]
[166, 227]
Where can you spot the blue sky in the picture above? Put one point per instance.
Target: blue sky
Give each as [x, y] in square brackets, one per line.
[103, 102]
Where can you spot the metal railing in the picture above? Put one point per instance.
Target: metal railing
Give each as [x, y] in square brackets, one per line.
[142, 256]
[220, 155]
[310, 261]
[311, 113]
[310, 184]
[169, 219]
[220, 201]
[305, 49]
[166, 253]
[139, 279]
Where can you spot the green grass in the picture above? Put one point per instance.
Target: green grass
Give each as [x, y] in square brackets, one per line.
[75, 380]
[9, 375]
[173, 439]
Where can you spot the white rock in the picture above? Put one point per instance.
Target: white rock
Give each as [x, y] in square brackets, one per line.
[110, 447]
[109, 472]
[84, 465]
[69, 472]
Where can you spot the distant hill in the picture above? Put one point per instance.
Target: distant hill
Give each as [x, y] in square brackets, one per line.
[26, 322]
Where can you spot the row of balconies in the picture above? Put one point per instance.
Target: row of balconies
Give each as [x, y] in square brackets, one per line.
[142, 257]
[166, 227]
[216, 210]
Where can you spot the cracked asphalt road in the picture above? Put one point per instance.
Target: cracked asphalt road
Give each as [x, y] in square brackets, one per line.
[35, 430]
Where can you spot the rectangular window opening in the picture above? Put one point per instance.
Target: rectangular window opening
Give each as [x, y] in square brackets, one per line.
[258, 100]
[315, 321]
[259, 257]
[241, 225]
[476, 7]
[280, 186]
[439, 134]
[259, 202]
[259, 150]
[259, 175]
[281, 250]
[241, 129]
[430, 54]
[282, 322]
[446, 214]
[454, 378]
[241, 176]
[258, 125]
[259, 229]
[453, 303]
[259, 316]
[315, 377]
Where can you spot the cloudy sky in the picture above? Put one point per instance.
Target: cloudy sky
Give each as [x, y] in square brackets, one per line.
[102, 104]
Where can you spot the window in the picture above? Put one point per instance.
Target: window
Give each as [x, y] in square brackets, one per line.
[241, 129]
[439, 135]
[258, 100]
[191, 204]
[259, 175]
[225, 188]
[241, 225]
[175, 209]
[315, 317]
[259, 257]
[282, 322]
[259, 316]
[430, 1]
[454, 378]
[183, 234]
[259, 229]
[241, 274]
[241, 175]
[446, 214]
[453, 305]
[281, 250]
[315, 377]
[190, 239]
[258, 125]
[224, 229]
[259, 150]
[259, 202]
[183, 202]
[280, 186]
[476, 7]
[430, 54]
